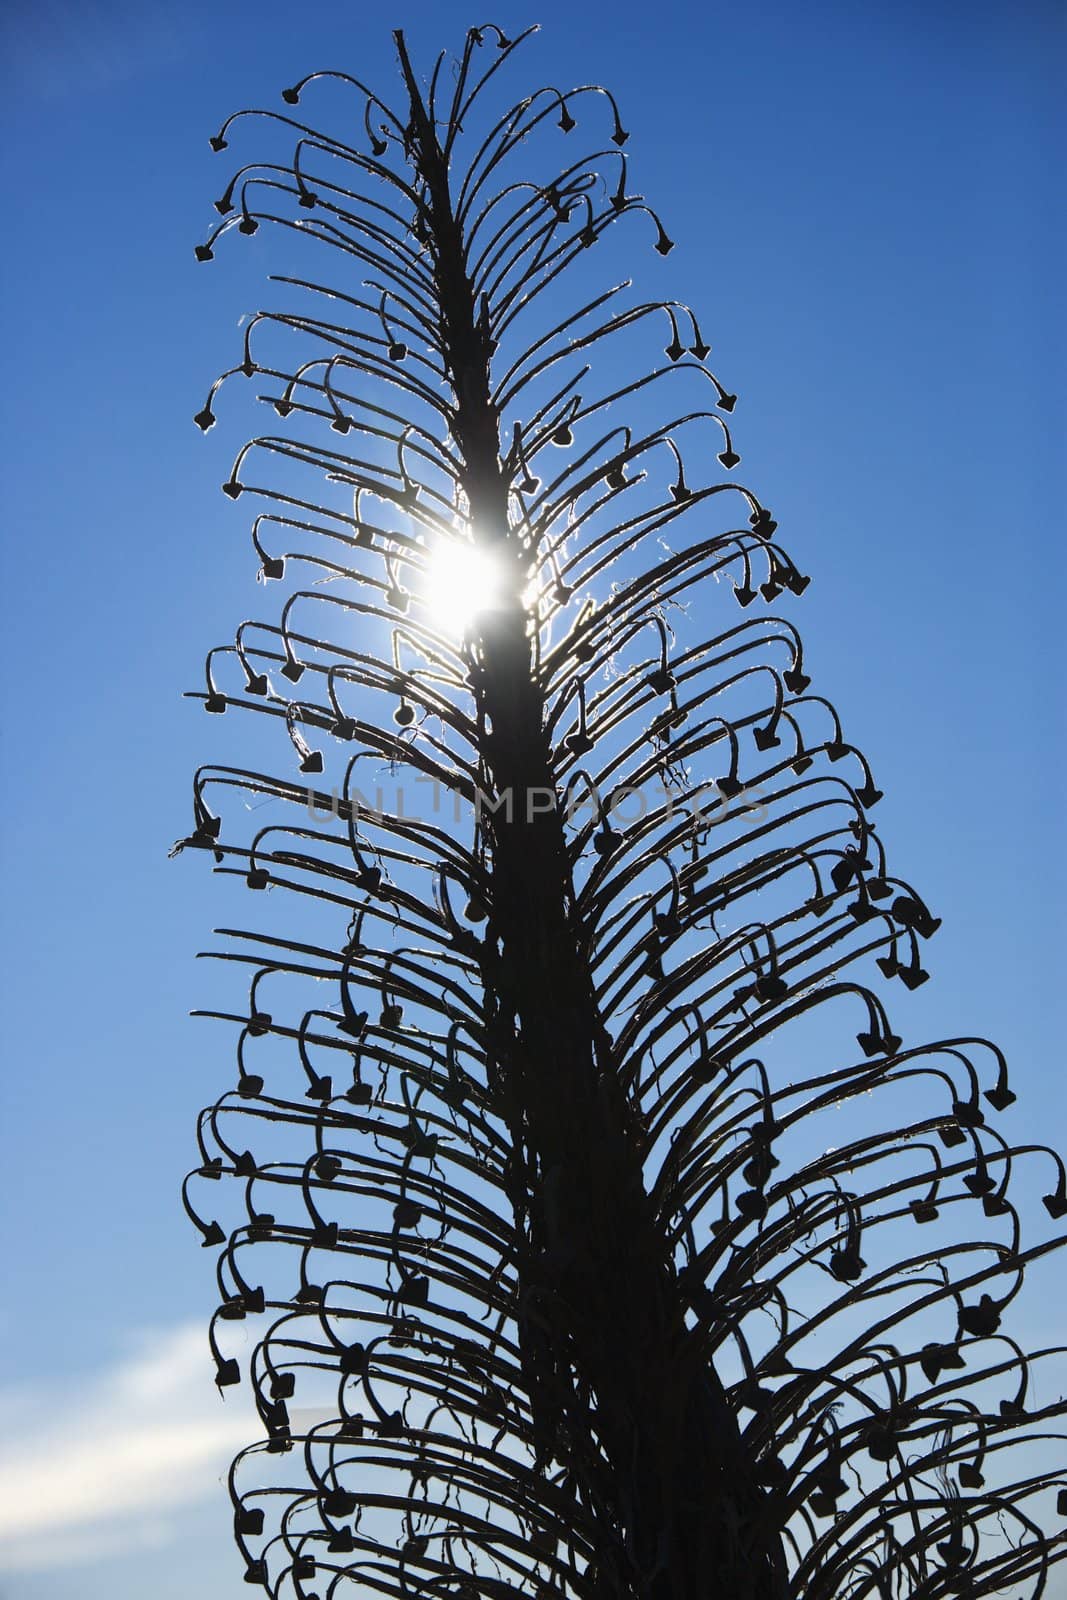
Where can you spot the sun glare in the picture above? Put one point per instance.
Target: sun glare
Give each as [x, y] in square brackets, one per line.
[462, 583]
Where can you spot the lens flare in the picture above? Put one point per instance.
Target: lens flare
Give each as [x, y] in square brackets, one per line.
[462, 583]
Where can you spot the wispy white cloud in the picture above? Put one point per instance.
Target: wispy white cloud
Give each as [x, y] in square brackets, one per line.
[94, 1468]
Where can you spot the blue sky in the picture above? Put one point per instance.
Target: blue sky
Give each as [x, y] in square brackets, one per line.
[864, 205]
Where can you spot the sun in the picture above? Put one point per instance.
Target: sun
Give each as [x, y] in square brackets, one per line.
[462, 583]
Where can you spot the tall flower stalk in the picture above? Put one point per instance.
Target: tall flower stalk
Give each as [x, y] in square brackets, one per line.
[597, 1233]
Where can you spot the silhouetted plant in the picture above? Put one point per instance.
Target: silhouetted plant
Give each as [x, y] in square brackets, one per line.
[583, 1258]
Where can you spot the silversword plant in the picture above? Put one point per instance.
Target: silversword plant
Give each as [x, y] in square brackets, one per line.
[592, 1230]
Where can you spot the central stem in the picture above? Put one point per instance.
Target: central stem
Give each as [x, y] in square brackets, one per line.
[619, 1390]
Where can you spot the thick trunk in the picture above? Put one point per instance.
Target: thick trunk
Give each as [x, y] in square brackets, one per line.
[617, 1390]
